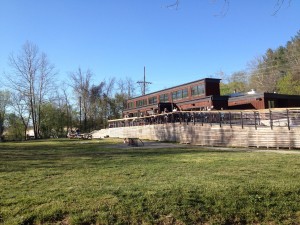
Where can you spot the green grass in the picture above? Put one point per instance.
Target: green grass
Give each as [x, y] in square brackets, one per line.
[94, 182]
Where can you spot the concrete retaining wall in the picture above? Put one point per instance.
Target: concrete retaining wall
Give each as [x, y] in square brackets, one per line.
[207, 135]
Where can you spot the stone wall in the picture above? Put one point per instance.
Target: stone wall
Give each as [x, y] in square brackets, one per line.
[207, 135]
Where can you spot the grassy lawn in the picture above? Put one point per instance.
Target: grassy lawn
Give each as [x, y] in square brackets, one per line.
[95, 182]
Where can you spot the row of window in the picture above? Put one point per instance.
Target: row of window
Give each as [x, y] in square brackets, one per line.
[180, 94]
[176, 95]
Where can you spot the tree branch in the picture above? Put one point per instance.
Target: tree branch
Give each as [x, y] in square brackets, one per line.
[173, 5]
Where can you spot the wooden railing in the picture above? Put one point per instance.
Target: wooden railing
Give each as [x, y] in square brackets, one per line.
[277, 117]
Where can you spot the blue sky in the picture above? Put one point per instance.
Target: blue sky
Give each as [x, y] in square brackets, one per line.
[117, 38]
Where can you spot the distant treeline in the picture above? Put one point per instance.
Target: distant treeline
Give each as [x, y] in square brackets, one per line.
[277, 71]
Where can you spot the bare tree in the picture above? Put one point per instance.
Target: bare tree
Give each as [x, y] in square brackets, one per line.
[126, 87]
[81, 84]
[175, 4]
[32, 76]
[95, 101]
[4, 102]
[277, 7]
[263, 74]
[107, 98]
[96, 111]
[20, 107]
[68, 108]
[126, 90]
[130, 87]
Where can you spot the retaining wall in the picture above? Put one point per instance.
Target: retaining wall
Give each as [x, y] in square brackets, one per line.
[207, 135]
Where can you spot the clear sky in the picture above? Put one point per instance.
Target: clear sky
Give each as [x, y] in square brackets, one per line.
[117, 38]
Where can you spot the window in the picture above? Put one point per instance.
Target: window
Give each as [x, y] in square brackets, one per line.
[198, 90]
[180, 94]
[141, 103]
[271, 104]
[164, 98]
[185, 93]
[152, 100]
[174, 95]
[130, 105]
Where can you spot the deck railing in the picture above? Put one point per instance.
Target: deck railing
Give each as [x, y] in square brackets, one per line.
[277, 117]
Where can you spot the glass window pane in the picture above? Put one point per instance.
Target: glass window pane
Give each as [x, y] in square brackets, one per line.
[184, 93]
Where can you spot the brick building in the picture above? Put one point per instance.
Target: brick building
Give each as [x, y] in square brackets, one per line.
[202, 95]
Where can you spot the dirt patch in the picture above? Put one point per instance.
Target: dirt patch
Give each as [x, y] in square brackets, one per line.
[150, 144]
[280, 151]
[157, 145]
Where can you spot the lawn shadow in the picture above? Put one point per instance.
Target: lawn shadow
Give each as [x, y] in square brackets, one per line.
[69, 154]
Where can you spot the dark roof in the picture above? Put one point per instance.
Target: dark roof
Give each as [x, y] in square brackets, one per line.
[196, 81]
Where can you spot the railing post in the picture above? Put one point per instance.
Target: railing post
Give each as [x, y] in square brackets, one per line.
[180, 117]
[288, 119]
[194, 118]
[202, 118]
[242, 120]
[186, 116]
[271, 120]
[220, 119]
[230, 120]
[255, 120]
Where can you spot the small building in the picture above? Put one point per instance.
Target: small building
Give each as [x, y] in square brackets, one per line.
[252, 100]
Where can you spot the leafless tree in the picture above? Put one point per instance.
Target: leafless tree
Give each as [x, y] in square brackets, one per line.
[277, 7]
[109, 86]
[4, 103]
[126, 87]
[81, 84]
[68, 107]
[107, 98]
[263, 77]
[125, 90]
[175, 4]
[21, 109]
[32, 76]
[96, 105]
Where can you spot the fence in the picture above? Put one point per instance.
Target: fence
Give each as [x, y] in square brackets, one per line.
[278, 117]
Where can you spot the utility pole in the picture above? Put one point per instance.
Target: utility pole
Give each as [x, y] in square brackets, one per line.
[144, 82]
[80, 112]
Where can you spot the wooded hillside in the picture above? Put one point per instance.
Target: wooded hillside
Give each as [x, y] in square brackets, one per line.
[278, 70]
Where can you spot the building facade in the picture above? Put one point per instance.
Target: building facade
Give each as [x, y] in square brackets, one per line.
[263, 101]
[204, 95]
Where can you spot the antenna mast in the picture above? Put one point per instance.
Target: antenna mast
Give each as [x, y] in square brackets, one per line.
[144, 82]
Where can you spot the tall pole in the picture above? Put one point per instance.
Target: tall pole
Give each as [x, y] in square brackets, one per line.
[144, 89]
[80, 112]
[144, 82]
